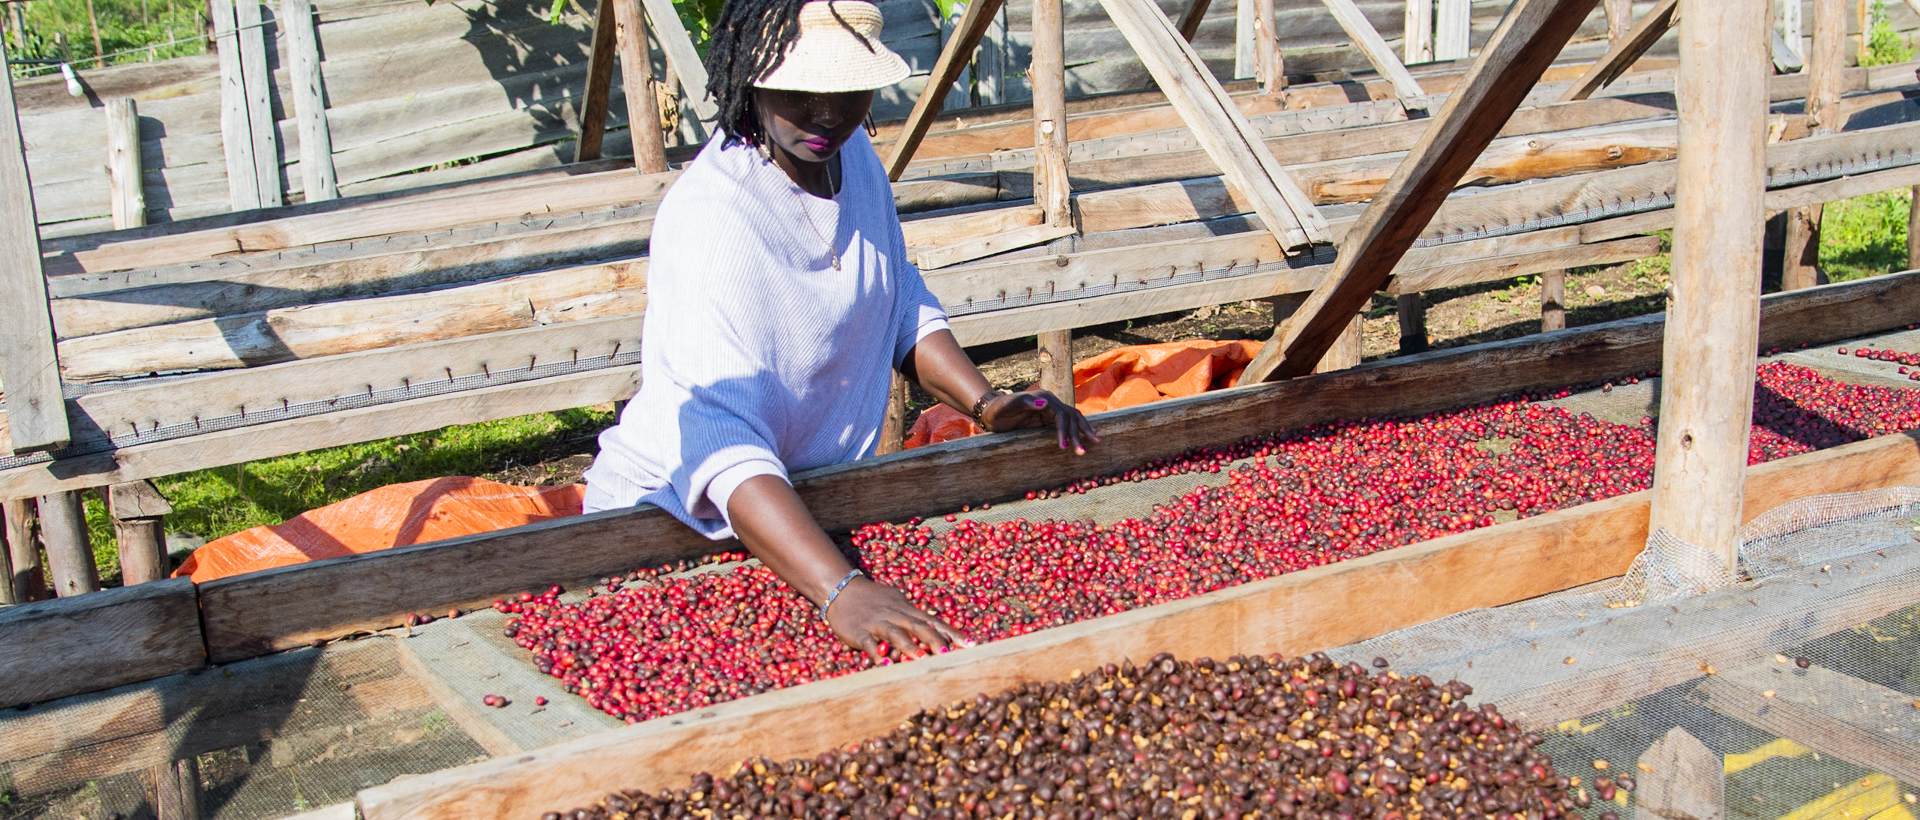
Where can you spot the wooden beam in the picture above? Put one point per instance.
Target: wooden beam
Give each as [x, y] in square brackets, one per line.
[1418, 31]
[1706, 394]
[636, 71]
[63, 532]
[985, 246]
[1553, 300]
[954, 56]
[1681, 779]
[1619, 19]
[27, 581]
[29, 367]
[1269, 65]
[1625, 51]
[1528, 39]
[682, 59]
[128, 205]
[600, 57]
[1243, 157]
[1190, 22]
[1288, 614]
[1345, 351]
[261, 140]
[53, 649]
[1800, 256]
[318, 182]
[893, 429]
[1835, 714]
[1411, 312]
[293, 606]
[1375, 47]
[1827, 67]
[139, 526]
[1453, 30]
[1047, 74]
[1056, 364]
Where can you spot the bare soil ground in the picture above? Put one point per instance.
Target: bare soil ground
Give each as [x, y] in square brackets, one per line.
[1455, 317]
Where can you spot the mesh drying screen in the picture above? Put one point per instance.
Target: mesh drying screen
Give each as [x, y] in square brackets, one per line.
[1804, 679]
[263, 738]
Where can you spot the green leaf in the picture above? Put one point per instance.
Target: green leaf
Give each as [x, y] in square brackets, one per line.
[553, 14]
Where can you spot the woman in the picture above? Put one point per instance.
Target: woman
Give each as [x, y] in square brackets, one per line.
[780, 299]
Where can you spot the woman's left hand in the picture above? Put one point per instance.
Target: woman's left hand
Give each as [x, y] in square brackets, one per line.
[1039, 408]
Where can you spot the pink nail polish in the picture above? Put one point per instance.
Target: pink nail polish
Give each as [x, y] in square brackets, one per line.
[1039, 403]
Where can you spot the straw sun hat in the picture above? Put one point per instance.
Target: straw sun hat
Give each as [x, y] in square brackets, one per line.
[827, 58]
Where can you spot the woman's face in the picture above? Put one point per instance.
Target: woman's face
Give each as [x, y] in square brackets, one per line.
[810, 127]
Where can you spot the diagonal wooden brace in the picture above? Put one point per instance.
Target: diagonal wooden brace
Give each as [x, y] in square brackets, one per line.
[1522, 48]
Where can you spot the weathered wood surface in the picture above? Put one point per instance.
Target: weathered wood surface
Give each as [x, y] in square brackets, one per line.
[1625, 51]
[1835, 714]
[1529, 37]
[123, 164]
[318, 180]
[63, 647]
[636, 70]
[1242, 156]
[28, 364]
[1375, 47]
[1706, 394]
[64, 537]
[955, 55]
[1682, 780]
[280, 608]
[1287, 615]
[600, 57]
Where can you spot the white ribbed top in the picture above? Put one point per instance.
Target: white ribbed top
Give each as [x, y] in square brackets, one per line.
[758, 357]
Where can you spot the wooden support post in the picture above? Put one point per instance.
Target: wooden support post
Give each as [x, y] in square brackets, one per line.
[1190, 22]
[1375, 47]
[246, 106]
[1412, 311]
[682, 59]
[177, 789]
[1526, 42]
[1245, 61]
[1553, 301]
[1913, 229]
[1619, 19]
[990, 66]
[129, 203]
[63, 531]
[1800, 257]
[593, 111]
[1793, 30]
[1681, 779]
[1056, 364]
[1453, 30]
[953, 59]
[8, 595]
[1826, 71]
[27, 581]
[1345, 351]
[893, 429]
[1625, 51]
[139, 515]
[1269, 67]
[636, 73]
[1047, 74]
[317, 178]
[36, 411]
[1865, 37]
[1218, 125]
[1706, 397]
[1419, 31]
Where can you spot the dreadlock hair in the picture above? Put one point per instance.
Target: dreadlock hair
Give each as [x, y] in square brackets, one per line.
[750, 40]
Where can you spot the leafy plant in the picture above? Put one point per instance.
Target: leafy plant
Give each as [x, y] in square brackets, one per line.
[1884, 45]
[1865, 236]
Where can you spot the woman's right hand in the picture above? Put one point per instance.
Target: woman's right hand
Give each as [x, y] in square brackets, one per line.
[867, 614]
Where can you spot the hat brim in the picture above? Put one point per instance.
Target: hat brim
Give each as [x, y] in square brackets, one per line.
[823, 66]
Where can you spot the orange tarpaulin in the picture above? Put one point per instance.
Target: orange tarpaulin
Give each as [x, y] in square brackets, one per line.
[1122, 377]
[396, 516]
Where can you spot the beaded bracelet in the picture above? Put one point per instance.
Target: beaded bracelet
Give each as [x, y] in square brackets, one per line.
[980, 406]
[841, 587]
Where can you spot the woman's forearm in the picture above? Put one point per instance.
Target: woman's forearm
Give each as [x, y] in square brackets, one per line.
[941, 367]
[778, 529]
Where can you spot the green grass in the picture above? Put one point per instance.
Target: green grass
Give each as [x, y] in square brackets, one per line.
[131, 31]
[225, 500]
[1865, 236]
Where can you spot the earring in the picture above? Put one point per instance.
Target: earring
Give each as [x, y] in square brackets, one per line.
[871, 130]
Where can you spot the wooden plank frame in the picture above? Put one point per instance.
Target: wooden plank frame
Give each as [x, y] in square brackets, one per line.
[36, 416]
[1526, 42]
[1288, 614]
[954, 56]
[1375, 47]
[318, 181]
[288, 607]
[68, 646]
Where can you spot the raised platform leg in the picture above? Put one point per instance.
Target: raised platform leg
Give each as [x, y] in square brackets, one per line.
[1553, 301]
[1413, 323]
[1056, 363]
[26, 579]
[63, 531]
[139, 525]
